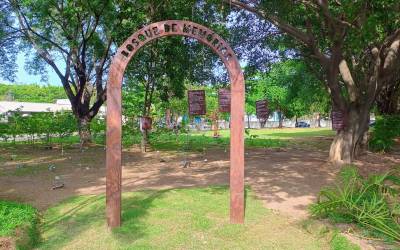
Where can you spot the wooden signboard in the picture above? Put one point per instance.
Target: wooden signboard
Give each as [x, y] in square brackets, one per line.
[338, 119]
[262, 109]
[145, 123]
[224, 100]
[197, 102]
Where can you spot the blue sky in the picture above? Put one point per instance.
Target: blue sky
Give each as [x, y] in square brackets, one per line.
[24, 78]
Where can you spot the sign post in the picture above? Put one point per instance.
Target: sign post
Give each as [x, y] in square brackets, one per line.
[224, 100]
[197, 102]
[262, 111]
[338, 119]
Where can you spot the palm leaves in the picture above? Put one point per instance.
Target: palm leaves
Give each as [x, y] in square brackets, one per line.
[371, 202]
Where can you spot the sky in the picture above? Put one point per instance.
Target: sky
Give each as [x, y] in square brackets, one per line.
[24, 78]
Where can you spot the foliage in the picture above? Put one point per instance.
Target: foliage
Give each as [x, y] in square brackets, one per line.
[98, 128]
[31, 93]
[350, 46]
[15, 216]
[60, 124]
[290, 88]
[371, 202]
[64, 124]
[8, 44]
[386, 129]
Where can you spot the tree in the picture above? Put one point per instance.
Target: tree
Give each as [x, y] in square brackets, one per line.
[15, 124]
[291, 89]
[75, 39]
[4, 128]
[64, 124]
[357, 45]
[8, 43]
[163, 67]
[31, 93]
[388, 101]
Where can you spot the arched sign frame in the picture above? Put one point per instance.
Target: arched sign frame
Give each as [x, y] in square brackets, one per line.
[114, 110]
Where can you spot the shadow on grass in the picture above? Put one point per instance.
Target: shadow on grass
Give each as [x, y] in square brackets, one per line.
[74, 216]
[133, 211]
[79, 215]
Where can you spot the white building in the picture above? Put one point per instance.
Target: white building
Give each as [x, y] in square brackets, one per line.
[27, 108]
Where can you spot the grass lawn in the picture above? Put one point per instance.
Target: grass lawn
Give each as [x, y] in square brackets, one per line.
[199, 141]
[258, 138]
[19, 221]
[196, 218]
[281, 133]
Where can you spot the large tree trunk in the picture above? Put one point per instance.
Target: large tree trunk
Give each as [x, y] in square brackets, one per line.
[350, 141]
[388, 101]
[84, 131]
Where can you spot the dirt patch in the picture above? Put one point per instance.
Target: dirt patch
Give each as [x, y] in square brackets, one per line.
[287, 180]
[6, 243]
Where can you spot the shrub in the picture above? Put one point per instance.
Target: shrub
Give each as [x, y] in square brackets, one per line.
[371, 202]
[98, 129]
[387, 128]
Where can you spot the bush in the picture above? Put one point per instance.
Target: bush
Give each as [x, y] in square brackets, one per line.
[98, 129]
[20, 221]
[387, 128]
[371, 202]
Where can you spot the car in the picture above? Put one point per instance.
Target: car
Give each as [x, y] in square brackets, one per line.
[302, 125]
[372, 124]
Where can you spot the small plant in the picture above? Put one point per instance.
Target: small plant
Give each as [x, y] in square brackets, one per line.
[387, 128]
[19, 221]
[371, 202]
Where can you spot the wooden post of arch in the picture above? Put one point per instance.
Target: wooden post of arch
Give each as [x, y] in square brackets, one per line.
[114, 121]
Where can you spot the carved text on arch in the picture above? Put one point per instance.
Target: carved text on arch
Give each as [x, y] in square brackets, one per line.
[176, 28]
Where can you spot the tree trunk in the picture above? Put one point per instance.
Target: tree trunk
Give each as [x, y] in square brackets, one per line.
[350, 141]
[388, 101]
[215, 124]
[280, 119]
[84, 131]
[145, 141]
[318, 120]
[248, 121]
[168, 118]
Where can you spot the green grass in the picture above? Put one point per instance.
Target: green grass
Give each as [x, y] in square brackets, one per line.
[339, 242]
[19, 221]
[255, 138]
[196, 218]
[197, 141]
[283, 133]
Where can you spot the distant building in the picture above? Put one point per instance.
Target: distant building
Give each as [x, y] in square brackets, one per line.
[27, 108]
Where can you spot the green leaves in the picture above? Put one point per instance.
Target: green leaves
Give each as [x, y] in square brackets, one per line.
[365, 201]
[291, 88]
[60, 124]
[386, 129]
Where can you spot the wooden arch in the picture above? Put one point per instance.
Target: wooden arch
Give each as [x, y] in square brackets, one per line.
[124, 54]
